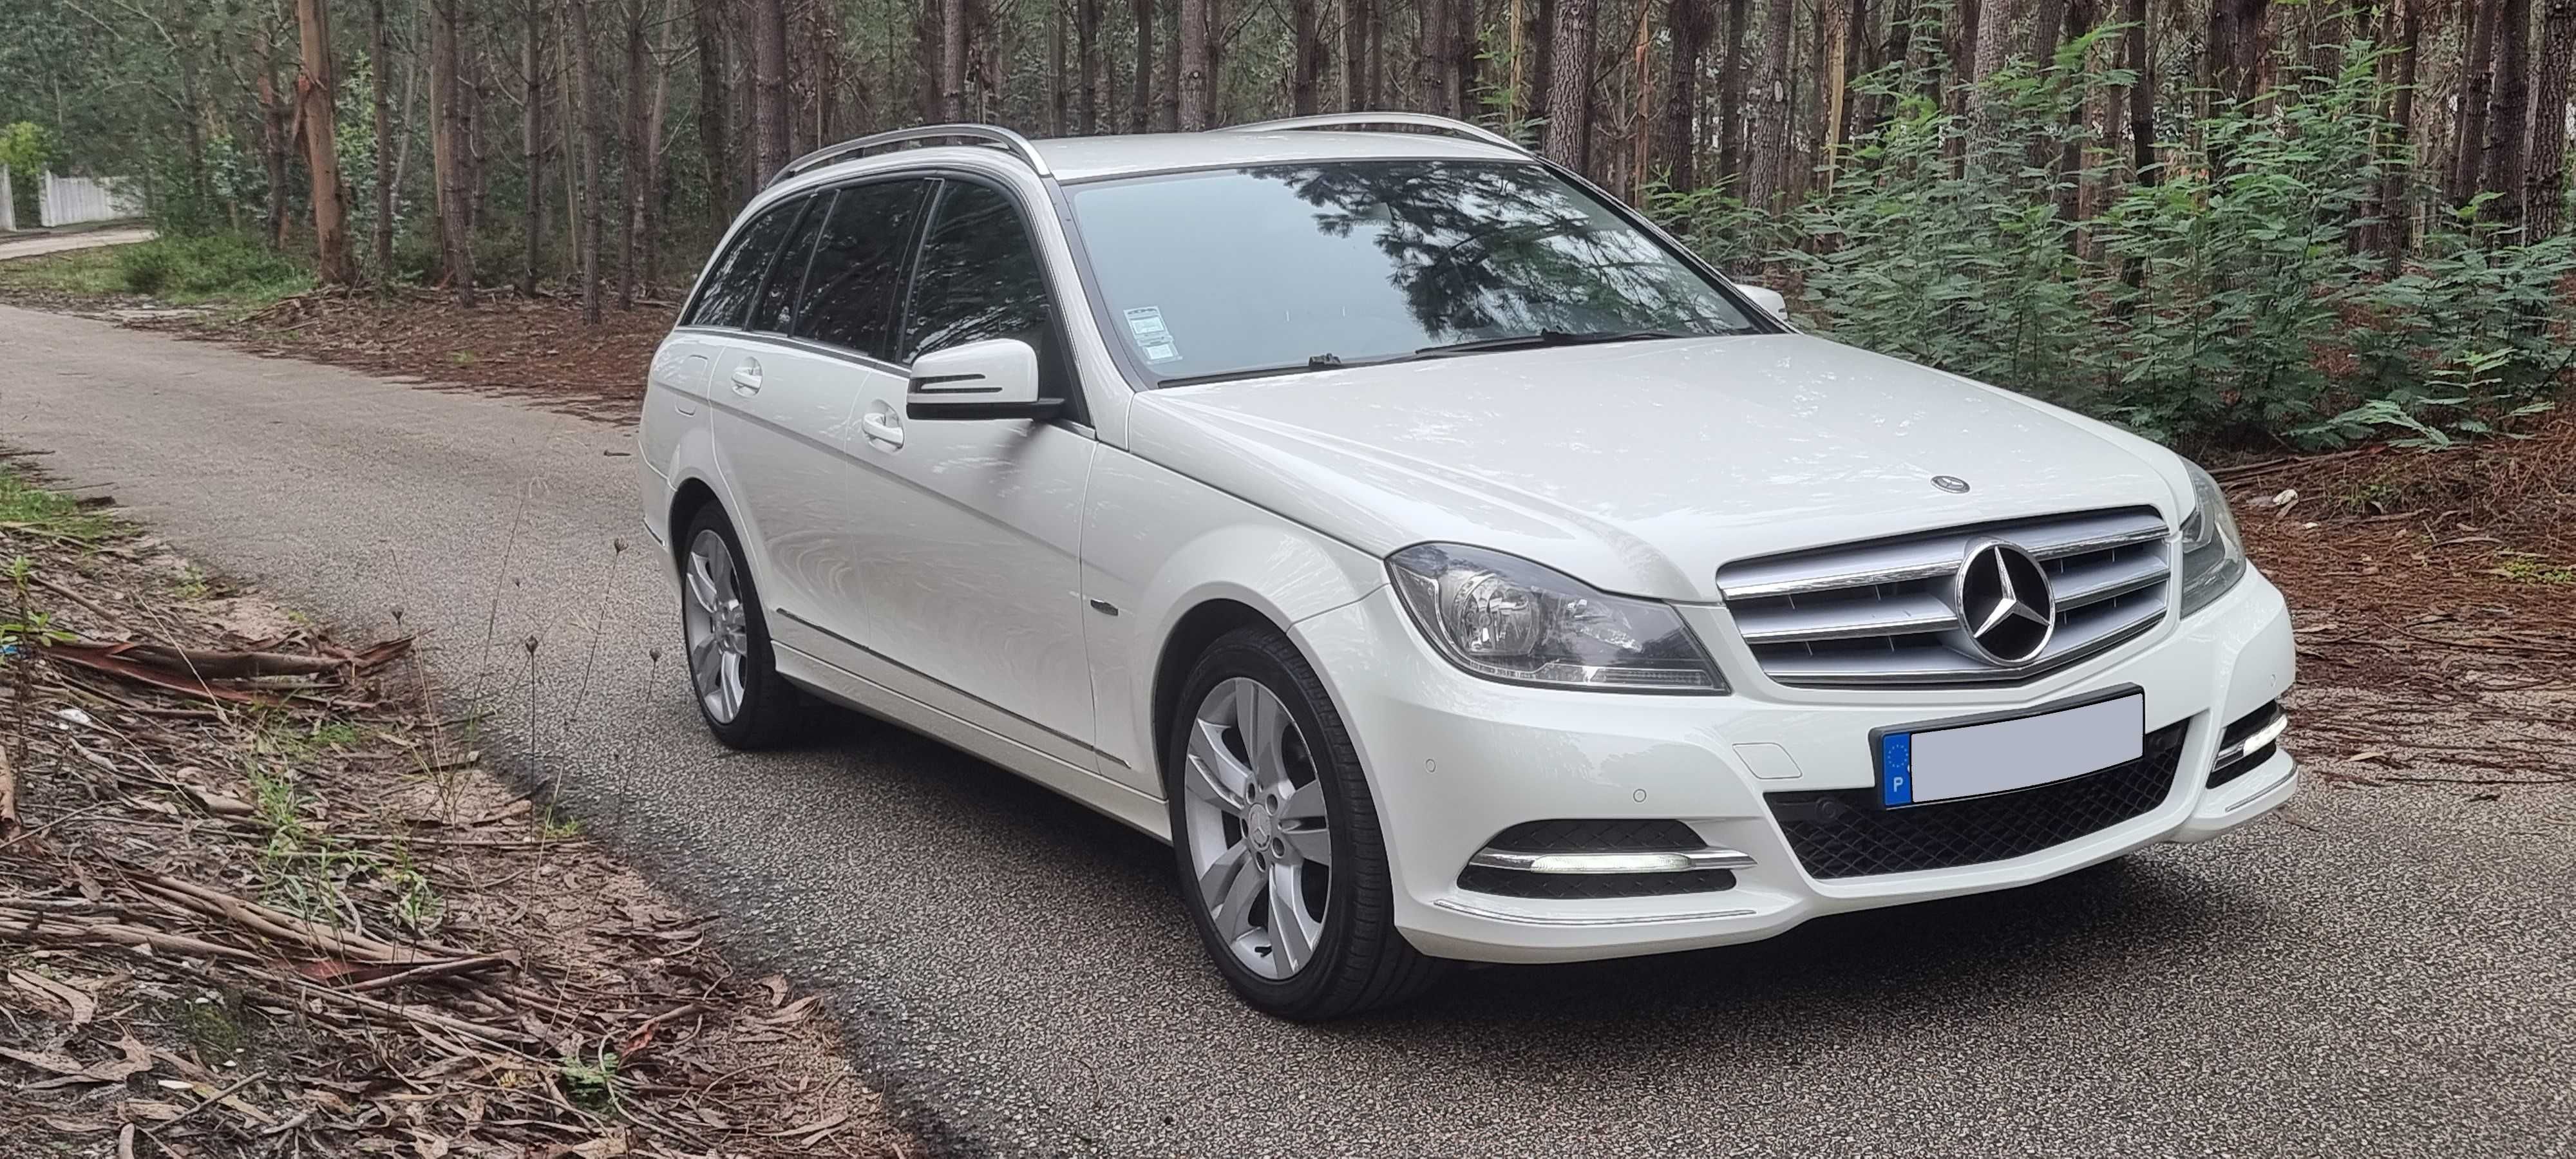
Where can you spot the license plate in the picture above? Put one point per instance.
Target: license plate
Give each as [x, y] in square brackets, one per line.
[1983, 755]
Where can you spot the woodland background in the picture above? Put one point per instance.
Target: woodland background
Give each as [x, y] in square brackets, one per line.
[2222, 222]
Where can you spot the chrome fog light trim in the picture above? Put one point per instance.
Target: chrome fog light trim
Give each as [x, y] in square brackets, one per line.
[1677, 861]
[2253, 742]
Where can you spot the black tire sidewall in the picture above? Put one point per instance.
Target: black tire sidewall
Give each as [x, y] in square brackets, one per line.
[764, 698]
[1257, 655]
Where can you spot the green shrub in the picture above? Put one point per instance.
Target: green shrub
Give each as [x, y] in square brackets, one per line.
[222, 265]
[2228, 301]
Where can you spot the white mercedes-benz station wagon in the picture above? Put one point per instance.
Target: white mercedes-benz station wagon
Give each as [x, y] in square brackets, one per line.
[1447, 563]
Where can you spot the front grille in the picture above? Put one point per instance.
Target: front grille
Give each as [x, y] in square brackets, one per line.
[1880, 613]
[2230, 768]
[1588, 886]
[1843, 832]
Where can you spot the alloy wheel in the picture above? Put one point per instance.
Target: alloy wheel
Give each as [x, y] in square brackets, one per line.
[1258, 837]
[715, 626]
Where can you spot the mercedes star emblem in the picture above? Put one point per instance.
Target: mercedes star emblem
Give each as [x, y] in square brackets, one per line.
[2005, 607]
[1951, 483]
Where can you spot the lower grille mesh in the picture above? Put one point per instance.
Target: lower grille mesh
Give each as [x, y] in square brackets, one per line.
[1843, 833]
[1587, 886]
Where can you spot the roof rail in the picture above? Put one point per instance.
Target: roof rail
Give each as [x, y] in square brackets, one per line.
[1009, 141]
[1358, 120]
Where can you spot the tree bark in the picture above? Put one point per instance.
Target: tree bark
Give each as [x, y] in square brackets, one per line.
[317, 92]
[769, 86]
[447, 160]
[714, 149]
[532, 218]
[380, 60]
[2544, 196]
[1767, 145]
[1569, 94]
[1431, 55]
[1993, 40]
[277, 118]
[2469, 137]
[1355, 96]
[633, 146]
[1140, 95]
[1733, 81]
[1689, 22]
[1196, 82]
[2236, 47]
[1086, 56]
[585, 92]
[2506, 121]
[1306, 70]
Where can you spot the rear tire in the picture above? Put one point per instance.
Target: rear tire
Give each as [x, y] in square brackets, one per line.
[1263, 780]
[733, 673]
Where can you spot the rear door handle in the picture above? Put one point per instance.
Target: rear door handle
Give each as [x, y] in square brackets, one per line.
[882, 427]
[746, 378]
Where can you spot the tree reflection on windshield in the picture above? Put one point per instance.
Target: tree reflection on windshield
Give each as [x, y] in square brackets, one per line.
[1277, 268]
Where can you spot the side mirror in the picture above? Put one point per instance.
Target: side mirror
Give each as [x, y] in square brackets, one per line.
[993, 379]
[1767, 299]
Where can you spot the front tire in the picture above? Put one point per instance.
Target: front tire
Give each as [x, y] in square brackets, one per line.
[732, 671]
[1283, 869]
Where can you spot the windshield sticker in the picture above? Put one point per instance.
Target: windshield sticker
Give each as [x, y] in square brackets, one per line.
[1146, 323]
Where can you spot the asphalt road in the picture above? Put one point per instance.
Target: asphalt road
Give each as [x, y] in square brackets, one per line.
[2372, 972]
[28, 245]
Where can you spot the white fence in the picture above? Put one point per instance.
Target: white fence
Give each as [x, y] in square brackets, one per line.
[73, 200]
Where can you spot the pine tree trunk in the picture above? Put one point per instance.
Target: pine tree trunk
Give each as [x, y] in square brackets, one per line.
[1140, 95]
[1086, 67]
[656, 131]
[1766, 182]
[2469, 138]
[1542, 69]
[585, 95]
[2544, 198]
[380, 64]
[532, 216]
[1431, 57]
[1464, 21]
[2506, 121]
[1569, 94]
[2393, 237]
[1197, 62]
[2140, 59]
[1689, 22]
[1306, 70]
[769, 87]
[632, 146]
[1993, 41]
[1355, 55]
[1733, 81]
[714, 150]
[447, 160]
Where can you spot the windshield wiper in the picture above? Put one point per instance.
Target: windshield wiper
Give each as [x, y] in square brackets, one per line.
[1549, 338]
[1326, 361]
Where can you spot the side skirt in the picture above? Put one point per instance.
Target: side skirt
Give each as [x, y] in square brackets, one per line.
[1145, 814]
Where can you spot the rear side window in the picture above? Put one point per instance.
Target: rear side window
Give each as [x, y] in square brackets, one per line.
[977, 277]
[729, 289]
[775, 310]
[854, 292]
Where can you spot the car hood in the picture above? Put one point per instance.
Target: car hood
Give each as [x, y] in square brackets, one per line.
[1643, 467]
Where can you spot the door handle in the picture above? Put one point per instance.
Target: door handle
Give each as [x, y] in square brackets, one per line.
[746, 378]
[882, 427]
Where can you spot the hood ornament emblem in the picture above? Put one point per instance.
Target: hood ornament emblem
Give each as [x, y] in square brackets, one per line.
[1951, 483]
[2006, 611]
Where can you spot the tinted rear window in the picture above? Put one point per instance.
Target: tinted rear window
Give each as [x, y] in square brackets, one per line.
[855, 288]
[736, 277]
[776, 308]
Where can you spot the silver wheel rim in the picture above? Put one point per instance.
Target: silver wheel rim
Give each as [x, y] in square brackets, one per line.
[1259, 846]
[715, 626]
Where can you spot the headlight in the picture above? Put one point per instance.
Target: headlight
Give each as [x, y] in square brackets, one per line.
[2213, 556]
[1504, 618]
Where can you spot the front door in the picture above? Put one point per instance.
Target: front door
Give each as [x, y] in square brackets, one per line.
[971, 567]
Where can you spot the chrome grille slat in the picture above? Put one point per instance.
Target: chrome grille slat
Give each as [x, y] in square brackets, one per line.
[1879, 613]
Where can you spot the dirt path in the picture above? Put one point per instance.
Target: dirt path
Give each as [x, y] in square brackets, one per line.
[2378, 971]
[28, 246]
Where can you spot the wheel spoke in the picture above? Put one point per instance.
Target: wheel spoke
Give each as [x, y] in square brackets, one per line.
[1292, 933]
[1234, 914]
[1305, 803]
[732, 666]
[1220, 874]
[1212, 774]
[1263, 723]
[720, 572]
[701, 651]
[702, 583]
[1313, 845]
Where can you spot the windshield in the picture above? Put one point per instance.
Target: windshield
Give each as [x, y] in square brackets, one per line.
[1274, 269]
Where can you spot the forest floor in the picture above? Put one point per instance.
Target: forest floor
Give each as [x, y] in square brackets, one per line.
[256, 899]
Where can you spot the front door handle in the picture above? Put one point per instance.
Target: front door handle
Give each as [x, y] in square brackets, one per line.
[746, 378]
[882, 427]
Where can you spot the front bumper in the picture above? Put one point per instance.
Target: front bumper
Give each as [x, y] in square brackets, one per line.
[1453, 760]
